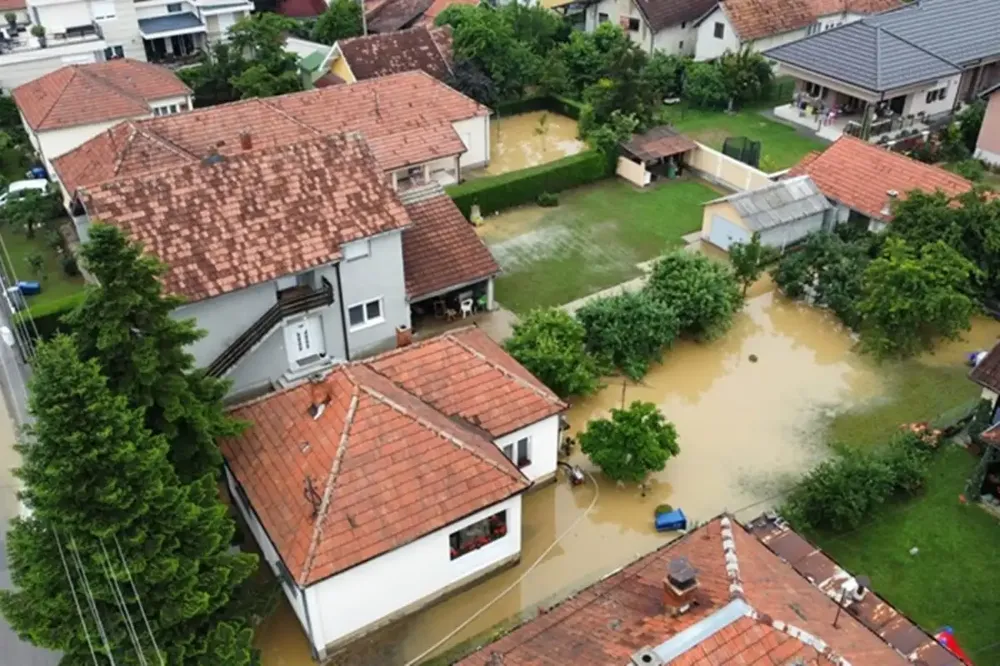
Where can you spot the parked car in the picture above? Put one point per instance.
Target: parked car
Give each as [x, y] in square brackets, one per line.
[19, 188]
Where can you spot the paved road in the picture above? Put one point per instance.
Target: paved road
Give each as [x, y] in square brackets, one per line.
[13, 412]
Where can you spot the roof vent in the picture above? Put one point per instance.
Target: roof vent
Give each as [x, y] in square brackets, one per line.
[246, 141]
[646, 657]
[679, 586]
[316, 409]
[891, 196]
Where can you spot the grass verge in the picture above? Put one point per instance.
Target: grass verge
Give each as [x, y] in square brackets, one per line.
[56, 285]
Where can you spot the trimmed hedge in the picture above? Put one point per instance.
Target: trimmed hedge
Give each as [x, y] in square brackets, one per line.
[507, 190]
[562, 105]
[47, 315]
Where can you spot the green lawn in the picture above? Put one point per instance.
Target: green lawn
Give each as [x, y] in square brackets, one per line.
[781, 144]
[591, 241]
[55, 283]
[917, 392]
[954, 579]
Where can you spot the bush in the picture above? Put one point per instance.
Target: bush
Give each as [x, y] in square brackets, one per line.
[628, 331]
[704, 294]
[632, 443]
[564, 106]
[520, 187]
[47, 315]
[971, 169]
[69, 265]
[548, 200]
[550, 344]
[662, 508]
[840, 493]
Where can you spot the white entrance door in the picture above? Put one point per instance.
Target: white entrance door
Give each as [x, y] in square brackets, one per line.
[724, 233]
[304, 341]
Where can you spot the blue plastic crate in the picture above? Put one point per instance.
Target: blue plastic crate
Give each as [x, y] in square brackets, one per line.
[29, 288]
[672, 520]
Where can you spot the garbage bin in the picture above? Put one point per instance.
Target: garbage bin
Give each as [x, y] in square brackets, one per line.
[29, 288]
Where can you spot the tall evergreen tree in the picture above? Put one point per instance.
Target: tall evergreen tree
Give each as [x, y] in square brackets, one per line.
[125, 324]
[96, 479]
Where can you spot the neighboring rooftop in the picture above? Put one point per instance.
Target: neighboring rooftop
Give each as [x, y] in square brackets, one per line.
[782, 202]
[405, 118]
[861, 175]
[987, 371]
[230, 221]
[95, 93]
[441, 251]
[918, 42]
[381, 54]
[12, 5]
[754, 19]
[466, 375]
[663, 13]
[386, 467]
[658, 142]
[301, 8]
[751, 603]
[392, 15]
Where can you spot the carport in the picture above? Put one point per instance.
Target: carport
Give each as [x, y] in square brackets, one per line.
[655, 154]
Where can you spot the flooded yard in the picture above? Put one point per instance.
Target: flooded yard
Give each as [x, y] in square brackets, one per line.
[530, 139]
[746, 429]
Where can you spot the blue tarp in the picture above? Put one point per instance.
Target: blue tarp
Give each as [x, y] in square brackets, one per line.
[672, 520]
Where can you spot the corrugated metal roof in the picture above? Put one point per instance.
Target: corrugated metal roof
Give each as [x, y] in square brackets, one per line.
[922, 41]
[784, 202]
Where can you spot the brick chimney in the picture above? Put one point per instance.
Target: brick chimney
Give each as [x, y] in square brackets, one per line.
[404, 336]
[246, 141]
[679, 586]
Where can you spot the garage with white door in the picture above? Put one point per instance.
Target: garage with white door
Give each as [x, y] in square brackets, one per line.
[783, 213]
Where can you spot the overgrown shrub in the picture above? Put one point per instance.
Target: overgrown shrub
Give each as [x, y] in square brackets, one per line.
[840, 493]
[550, 344]
[548, 200]
[520, 187]
[703, 293]
[47, 315]
[628, 331]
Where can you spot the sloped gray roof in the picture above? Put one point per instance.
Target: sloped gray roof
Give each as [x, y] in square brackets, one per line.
[169, 23]
[923, 41]
[781, 203]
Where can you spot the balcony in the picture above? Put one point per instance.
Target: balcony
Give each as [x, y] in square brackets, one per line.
[82, 39]
[290, 302]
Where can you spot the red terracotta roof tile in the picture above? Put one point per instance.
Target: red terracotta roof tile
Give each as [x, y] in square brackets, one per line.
[609, 621]
[987, 371]
[94, 93]
[381, 54]
[390, 15]
[860, 175]
[225, 223]
[442, 250]
[465, 374]
[386, 468]
[12, 5]
[406, 119]
[753, 19]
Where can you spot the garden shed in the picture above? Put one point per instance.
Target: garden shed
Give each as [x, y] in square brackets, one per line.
[657, 153]
[782, 213]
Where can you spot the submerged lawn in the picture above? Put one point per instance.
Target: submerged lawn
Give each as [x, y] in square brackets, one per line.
[783, 146]
[591, 241]
[954, 578]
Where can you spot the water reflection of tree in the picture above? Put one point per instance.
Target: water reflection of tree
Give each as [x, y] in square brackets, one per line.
[815, 329]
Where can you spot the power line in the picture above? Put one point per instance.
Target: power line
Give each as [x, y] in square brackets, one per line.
[91, 600]
[76, 600]
[138, 599]
[116, 593]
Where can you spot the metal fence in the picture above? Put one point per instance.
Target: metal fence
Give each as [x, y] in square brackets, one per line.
[743, 149]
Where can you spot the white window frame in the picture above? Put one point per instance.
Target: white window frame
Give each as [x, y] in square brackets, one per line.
[367, 323]
[357, 249]
[103, 7]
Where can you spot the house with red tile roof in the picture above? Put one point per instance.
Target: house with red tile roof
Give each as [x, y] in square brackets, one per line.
[865, 180]
[65, 108]
[724, 594]
[392, 472]
[370, 56]
[662, 25]
[303, 231]
[733, 25]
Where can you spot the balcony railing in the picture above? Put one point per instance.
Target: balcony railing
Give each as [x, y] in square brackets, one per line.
[293, 303]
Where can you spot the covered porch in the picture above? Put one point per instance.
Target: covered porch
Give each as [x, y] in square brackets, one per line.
[438, 311]
[654, 155]
[173, 39]
[444, 171]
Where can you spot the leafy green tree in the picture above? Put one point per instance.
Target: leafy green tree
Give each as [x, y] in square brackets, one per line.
[260, 81]
[607, 137]
[663, 75]
[229, 643]
[550, 344]
[96, 480]
[628, 330]
[704, 294]
[911, 299]
[970, 121]
[750, 259]
[483, 37]
[705, 86]
[632, 443]
[582, 61]
[125, 325]
[342, 19]
[468, 79]
[457, 15]
[747, 74]
[537, 26]
[211, 78]
[29, 212]
[37, 263]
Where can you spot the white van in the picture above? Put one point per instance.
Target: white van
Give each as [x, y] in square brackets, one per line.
[19, 187]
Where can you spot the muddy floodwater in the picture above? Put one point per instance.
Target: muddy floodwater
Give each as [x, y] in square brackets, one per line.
[530, 139]
[744, 428]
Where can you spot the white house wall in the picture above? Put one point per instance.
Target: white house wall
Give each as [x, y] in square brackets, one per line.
[267, 549]
[786, 234]
[19, 68]
[123, 31]
[56, 18]
[378, 275]
[676, 40]
[917, 102]
[53, 143]
[708, 46]
[475, 134]
[543, 447]
[225, 318]
[354, 600]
